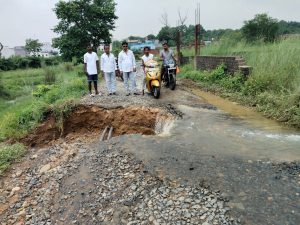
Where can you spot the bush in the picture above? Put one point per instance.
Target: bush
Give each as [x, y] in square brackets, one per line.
[50, 77]
[17, 62]
[217, 74]
[68, 67]
[41, 90]
[233, 83]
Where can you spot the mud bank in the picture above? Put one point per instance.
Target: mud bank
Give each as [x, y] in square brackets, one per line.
[91, 120]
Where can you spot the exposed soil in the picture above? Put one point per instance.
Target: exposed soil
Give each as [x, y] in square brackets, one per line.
[92, 120]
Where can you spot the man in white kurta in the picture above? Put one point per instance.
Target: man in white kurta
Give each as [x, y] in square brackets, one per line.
[108, 69]
[127, 66]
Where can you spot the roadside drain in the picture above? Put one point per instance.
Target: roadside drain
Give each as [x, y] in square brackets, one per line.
[93, 120]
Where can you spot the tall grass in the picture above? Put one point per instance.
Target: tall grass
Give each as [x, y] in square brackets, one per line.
[274, 85]
[50, 76]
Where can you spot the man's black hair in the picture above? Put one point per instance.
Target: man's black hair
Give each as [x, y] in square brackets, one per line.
[106, 45]
[124, 43]
[165, 43]
[147, 47]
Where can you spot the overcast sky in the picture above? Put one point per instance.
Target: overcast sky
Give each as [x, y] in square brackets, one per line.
[21, 19]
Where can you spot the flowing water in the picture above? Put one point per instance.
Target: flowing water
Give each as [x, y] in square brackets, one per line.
[232, 129]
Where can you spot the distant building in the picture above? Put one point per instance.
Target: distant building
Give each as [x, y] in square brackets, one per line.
[20, 51]
[46, 51]
[101, 47]
[15, 51]
[133, 41]
[7, 52]
[140, 46]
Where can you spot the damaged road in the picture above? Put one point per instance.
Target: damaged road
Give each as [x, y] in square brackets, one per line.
[176, 160]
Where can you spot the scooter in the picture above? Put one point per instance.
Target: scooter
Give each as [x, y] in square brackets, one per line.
[170, 75]
[153, 78]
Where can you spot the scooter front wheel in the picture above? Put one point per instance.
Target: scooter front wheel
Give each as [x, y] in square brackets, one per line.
[156, 92]
[172, 84]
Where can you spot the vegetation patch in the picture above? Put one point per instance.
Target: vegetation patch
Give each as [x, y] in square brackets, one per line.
[9, 153]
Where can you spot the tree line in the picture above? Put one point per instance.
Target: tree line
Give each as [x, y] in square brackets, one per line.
[261, 27]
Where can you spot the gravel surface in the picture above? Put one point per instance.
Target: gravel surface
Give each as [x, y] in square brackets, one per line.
[92, 184]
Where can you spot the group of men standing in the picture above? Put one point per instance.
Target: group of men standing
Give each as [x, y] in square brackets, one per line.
[127, 68]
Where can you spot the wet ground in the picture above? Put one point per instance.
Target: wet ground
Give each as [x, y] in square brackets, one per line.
[214, 163]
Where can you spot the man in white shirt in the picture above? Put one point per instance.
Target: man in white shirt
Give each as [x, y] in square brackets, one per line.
[145, 58]
[91, 69]
[127, 66]
[108, 68]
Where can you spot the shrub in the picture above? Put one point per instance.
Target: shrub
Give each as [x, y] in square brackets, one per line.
[41, 90]
[50, 77]
[233, 83]
[17, 62]
[8, 153]
[68, 67]
[217, 74]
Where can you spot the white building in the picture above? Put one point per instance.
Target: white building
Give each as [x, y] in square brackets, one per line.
[7, 52]
[101, 47]
[47, 51]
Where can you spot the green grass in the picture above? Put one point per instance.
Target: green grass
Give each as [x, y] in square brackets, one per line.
[8, 154]
[28, 95]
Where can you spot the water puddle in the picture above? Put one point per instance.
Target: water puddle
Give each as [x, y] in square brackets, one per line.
[251, 117]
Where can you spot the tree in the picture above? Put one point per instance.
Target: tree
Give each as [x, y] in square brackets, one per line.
[167, 34]
[289, 27]
[1, 48]
[33, 46]
[182, 19]
[165, 19]
[116, 47]
[141, 39]
[262, 27]
[83, 23]
[151, 37]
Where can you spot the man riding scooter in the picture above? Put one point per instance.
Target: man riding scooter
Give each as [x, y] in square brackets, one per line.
[145, 58]
[167, 56]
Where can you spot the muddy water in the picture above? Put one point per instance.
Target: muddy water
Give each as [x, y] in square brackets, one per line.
[235, 130]
[251, 117]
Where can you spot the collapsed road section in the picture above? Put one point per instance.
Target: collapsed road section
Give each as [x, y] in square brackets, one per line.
[93, 121]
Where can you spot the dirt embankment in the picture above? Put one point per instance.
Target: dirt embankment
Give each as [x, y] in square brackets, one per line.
[91, 120]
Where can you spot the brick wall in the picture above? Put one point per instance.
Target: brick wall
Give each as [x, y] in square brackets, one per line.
[232, 63]
[212, 62]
